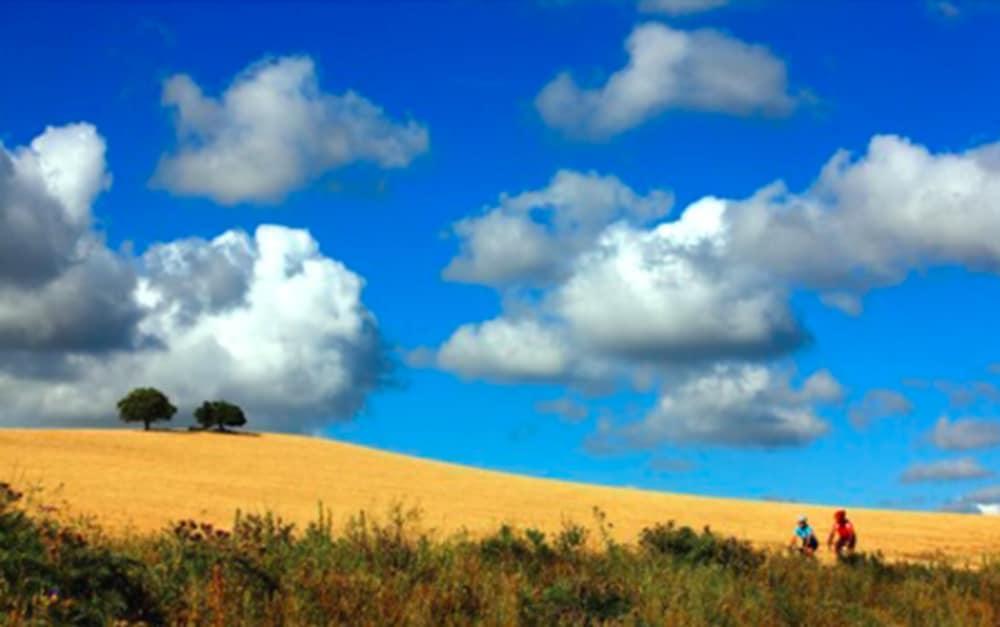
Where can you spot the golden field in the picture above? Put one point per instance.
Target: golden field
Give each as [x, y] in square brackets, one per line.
[140, 481]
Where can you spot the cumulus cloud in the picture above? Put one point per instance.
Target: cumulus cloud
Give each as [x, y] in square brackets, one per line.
[516, 350]
[45, 193]
[714, 282]
[655, 295]
[272, 131]
[865, 223]
[868, 222]
[195, 276]
[266, 320]
[660, 295]
[702, 70]
[644, 298]
[879, 404]
[945, 470]
[530, 237]
[296, 347]
[735, 405]
[46, 189]
[60, 287]
[965, 434]
[680, 7]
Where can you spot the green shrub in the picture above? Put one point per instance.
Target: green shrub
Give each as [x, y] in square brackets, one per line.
[689, 547]
[52, 573]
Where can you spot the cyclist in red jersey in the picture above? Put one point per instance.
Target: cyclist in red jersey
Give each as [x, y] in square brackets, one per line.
[843, 534]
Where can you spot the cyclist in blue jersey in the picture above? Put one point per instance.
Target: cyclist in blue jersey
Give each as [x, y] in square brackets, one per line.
[804, 540]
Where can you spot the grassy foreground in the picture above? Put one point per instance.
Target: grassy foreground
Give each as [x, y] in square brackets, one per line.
[262, 571]
[143, 481]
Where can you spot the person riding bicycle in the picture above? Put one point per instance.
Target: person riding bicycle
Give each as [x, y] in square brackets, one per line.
[844, 534]
[805, 538]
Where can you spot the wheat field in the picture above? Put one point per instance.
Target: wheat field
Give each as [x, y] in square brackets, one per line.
[134, 482]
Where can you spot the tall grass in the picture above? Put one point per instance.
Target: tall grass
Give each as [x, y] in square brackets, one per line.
[263, 571]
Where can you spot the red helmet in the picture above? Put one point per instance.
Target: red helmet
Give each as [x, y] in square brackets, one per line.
[839, 515]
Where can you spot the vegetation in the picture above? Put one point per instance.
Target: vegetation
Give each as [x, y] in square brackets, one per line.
[145, 405]
[266, 572]
[57, 575]
[219, 415]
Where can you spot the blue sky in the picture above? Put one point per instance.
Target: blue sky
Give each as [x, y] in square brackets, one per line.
[738, 365]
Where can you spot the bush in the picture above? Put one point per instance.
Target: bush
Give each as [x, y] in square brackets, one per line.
[689, 547]
[53, 574]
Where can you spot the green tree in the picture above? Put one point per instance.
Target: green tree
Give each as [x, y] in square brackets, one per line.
[145, 405]
[219, 414]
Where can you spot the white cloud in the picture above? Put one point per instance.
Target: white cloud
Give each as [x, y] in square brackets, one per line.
[879, 404]
[620, 292]
[265, 321]
[296, 348]
[627, 301]
[743, 405]
[702, 70]
[865, 223]
[194, 276]
[532, 236]
[300, 343]
[714, 282]
[945, 470]
[680, 7]
[272, 131]
[60, 287]
[965, 434]
[868, 222]
[70, 161]
[712, 285]
[513, 350]
[46, 189]
[660, 295]
[498, 248]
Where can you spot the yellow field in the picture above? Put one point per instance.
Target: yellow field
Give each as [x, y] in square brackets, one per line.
[141, 481]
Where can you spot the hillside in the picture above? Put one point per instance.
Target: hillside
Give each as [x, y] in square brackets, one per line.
[141, 481]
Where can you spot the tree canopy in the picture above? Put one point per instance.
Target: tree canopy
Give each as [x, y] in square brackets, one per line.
[145, 405]
[219, 414]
